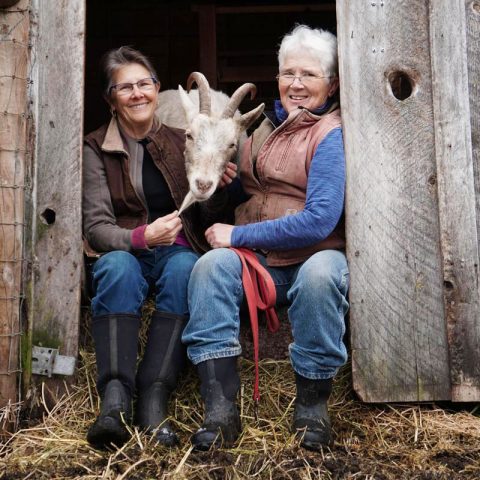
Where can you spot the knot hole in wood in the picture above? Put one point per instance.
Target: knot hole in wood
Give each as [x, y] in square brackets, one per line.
[401, 84]
[48, 216]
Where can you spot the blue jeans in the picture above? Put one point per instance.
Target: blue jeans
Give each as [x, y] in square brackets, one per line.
[122, 281]
[315, 291]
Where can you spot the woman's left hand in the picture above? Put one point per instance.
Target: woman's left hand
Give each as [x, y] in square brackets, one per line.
[229, 174]
[219, 235]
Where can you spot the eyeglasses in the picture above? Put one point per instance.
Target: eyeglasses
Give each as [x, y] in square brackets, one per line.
[144, 85]
[305, 78]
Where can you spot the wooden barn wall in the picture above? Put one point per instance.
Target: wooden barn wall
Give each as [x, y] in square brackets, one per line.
[473, 52]
[14, 155]
[472, 9]
[58, 64]
[456, 194]
[411, 226]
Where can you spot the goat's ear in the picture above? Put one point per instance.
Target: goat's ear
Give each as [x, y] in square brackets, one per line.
[248, 118]
[188, 106]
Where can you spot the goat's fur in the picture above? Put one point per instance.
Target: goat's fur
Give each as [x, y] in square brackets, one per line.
[214, 128]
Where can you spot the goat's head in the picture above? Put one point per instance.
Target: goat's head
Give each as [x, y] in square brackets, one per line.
[212, 140]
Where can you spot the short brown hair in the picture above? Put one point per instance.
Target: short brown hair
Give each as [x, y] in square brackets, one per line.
[119, 57]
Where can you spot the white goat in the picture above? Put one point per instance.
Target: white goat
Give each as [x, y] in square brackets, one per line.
[213, 129]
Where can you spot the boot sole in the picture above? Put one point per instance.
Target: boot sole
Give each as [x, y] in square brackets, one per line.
[104, 436]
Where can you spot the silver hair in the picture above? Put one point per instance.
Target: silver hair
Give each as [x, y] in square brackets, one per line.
[117, 58]
[320, 44]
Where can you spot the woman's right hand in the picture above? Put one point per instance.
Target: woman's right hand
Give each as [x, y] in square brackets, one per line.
[163, 231]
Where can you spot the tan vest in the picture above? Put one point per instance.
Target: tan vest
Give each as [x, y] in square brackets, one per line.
[282, 157]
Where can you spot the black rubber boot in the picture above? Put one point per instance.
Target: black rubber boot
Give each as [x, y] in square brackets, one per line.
[219, 388]
[311, 421]
[165, 357]
[116, 340]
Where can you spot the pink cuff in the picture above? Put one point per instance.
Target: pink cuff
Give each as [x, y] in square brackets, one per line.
[138, 238]
[182, 240]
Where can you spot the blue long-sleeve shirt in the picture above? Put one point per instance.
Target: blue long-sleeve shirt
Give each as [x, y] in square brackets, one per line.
[323, 205]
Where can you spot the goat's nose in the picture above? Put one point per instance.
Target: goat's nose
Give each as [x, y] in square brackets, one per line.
[203, 186]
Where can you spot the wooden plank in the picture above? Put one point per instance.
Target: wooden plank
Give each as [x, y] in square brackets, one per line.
[473, 62]
[14, 28]
[472, 9]
[207, 32]
[456, 193]
[398, 335]
[54, 304]
[256, 9]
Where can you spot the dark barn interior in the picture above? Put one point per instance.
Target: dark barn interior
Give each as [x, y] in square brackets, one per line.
[231, 42]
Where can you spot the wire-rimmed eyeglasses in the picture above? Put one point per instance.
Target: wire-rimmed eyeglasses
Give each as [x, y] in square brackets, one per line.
[144, 85]
[305, 78]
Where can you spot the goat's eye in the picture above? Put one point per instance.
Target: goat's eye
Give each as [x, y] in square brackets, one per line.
[188, 136]
[232, 145]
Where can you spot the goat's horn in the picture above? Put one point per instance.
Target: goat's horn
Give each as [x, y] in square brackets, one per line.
[203, 91]
[237, 98]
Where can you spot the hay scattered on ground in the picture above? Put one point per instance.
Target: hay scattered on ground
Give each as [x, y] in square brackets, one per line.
[371, 442]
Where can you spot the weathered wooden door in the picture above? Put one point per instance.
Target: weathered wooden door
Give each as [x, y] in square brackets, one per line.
[58, 57]
[14, 155]
[410, 97]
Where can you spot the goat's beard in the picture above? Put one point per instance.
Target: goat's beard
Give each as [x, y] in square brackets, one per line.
[187, 201]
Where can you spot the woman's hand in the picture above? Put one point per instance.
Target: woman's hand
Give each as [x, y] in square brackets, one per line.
[163, 231]
[229, 174]
[219, 235]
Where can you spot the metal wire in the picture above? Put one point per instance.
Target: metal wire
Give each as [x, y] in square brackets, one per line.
[14, 294]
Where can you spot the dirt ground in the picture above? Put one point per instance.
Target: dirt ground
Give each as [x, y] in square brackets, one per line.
[371, 442]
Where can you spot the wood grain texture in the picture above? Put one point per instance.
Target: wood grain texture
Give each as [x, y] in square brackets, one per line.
[58, 58]
[398, 334]
[13, 156]
[473, 61]
[456, 191]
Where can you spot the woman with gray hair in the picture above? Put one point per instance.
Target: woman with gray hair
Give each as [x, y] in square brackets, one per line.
[134, 181]
[293, 172]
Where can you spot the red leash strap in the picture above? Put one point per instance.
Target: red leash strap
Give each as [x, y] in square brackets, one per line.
[260, 294]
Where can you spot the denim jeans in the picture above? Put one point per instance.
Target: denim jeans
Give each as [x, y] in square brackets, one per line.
[122, 281]
[315, 291]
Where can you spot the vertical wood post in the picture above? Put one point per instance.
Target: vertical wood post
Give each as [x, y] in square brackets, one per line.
[399, 341]
[456, 193]
[207, 30]
[472, 10]
[59, 55]
[14, 154]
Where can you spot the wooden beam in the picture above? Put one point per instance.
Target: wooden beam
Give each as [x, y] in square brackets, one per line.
[298, 7]
[398, 333]
[473, 61]
[13, 157]
[247, 74]
[207, 30]
[59, 46]
[456, 191]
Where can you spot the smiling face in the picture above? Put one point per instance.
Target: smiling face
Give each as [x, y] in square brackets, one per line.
[312, 92]
[134, 110]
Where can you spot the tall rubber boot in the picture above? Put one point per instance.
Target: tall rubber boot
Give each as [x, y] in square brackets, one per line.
[165, 357]
[116, 343]
[311, 421]
[219, 388]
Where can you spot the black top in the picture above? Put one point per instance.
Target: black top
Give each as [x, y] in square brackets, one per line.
[157, 194]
